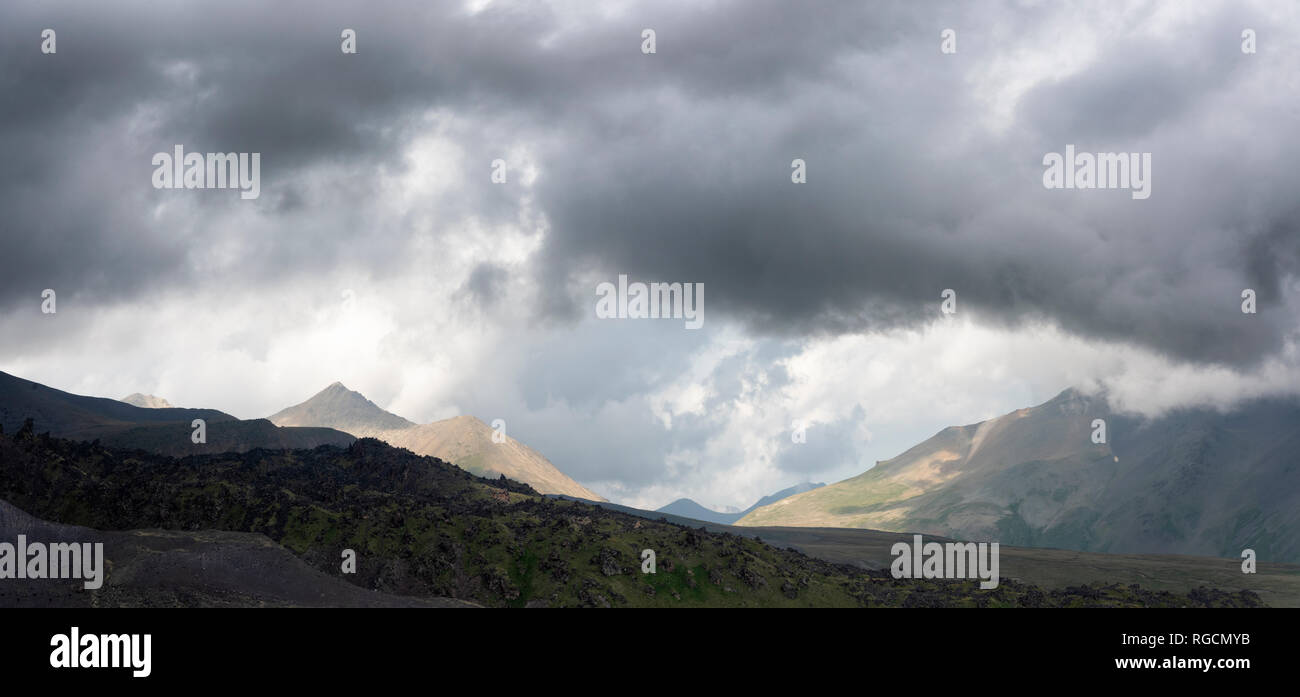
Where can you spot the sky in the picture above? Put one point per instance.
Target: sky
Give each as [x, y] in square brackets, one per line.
[381, 253]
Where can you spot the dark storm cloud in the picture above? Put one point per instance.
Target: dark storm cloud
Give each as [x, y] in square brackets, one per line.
[676, 166]
[698, 190]
[79, 129]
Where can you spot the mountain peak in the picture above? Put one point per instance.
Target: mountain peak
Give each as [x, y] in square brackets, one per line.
[336, 387]
[1078, 400]
[338, 407]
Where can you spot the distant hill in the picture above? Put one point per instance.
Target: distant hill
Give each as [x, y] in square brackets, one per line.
[163, 430]
[690, 509]
[464, 440]
[687, 508]
[74, 416]
[1191, 482]
[147, 401]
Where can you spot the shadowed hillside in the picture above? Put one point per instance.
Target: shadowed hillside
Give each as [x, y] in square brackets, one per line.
[162, 430]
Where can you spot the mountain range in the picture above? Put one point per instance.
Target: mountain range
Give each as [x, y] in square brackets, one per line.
[433, 532]
[688, 508]
[1194, 481]
[463, 440]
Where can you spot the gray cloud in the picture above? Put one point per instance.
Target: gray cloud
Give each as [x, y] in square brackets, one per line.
[674, 166]
[888, 218]
[486, 283]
